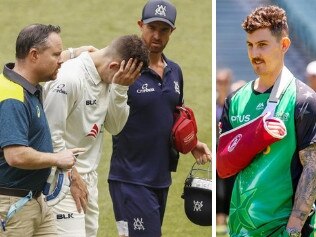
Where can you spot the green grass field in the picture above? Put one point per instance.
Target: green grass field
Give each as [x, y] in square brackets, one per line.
[96, 22]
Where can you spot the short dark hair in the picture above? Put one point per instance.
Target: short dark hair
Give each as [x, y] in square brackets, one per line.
[271, 17]
[33, 36]
[132, 46]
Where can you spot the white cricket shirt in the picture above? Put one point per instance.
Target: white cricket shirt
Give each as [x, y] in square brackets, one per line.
[79, 106]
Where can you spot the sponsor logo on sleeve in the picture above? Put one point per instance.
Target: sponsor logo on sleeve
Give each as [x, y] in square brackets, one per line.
[60, 89]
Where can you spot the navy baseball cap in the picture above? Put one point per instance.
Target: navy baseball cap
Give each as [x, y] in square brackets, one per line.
[159, 10]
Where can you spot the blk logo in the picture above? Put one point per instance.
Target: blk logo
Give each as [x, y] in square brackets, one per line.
[65, 216]
[91, 102]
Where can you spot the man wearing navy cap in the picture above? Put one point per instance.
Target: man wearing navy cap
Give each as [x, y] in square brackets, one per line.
[143, 157]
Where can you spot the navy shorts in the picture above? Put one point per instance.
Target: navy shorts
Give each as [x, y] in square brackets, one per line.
[138, 210]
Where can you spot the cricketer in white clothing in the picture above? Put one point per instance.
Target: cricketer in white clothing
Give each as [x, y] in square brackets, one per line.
[88, 96]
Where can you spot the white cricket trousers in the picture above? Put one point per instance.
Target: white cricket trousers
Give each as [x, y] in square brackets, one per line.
[71, 223]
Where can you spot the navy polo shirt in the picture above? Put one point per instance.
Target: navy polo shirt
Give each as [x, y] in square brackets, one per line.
[22, 122]
[141, 151]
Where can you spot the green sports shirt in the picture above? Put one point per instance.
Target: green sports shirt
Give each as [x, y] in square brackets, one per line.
[263, 193]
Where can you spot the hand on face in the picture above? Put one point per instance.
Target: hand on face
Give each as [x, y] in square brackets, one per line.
[128, 73]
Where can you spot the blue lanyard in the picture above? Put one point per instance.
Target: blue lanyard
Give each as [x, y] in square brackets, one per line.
[15, 207]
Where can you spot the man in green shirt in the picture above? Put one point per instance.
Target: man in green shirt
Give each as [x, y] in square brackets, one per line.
[274, 194]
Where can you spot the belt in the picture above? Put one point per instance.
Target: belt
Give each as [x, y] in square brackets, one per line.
[18, 192]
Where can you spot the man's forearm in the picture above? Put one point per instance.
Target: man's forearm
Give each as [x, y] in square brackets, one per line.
[118, 109]
[27, 158]
[75, 52]
[306, 189]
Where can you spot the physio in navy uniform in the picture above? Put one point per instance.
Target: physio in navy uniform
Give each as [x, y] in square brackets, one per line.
[142, 159]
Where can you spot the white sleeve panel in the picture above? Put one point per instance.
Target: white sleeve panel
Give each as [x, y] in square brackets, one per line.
[118, 109]
[60, 97]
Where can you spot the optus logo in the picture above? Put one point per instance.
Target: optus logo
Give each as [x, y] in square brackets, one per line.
[240, 118]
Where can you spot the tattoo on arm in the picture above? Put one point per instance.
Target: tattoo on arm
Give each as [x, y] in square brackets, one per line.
[306, 189]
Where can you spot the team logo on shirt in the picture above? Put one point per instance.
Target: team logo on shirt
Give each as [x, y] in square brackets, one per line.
[145, 89]
[260, 106]
[94, 131]
[38, 111]
[176, 87]
[60, 89]
[283, 116]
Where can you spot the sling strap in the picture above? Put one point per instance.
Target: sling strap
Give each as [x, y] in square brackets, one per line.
[278, 90]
